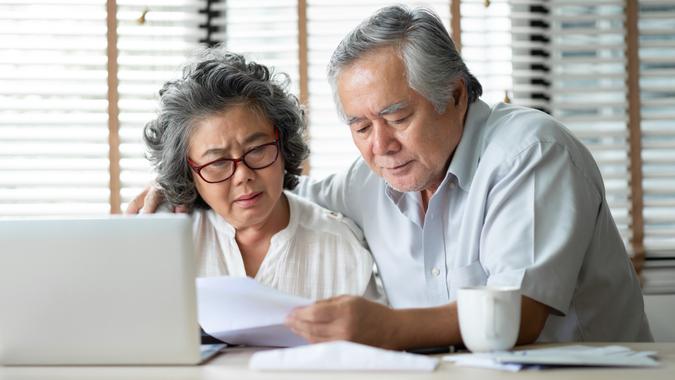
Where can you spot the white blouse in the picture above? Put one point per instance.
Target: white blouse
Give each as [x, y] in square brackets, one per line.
[319, 254]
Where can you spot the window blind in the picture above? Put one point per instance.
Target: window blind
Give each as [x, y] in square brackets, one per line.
[657, 88]
[656, 25]
[530, 42]
[588, 93]
[486, 46]
[53, 108]
[54, 97]
[265, 31]
[154, 39]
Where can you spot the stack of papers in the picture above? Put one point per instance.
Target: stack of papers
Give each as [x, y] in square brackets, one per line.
[568, 356]
[238, 310]
[340, 356]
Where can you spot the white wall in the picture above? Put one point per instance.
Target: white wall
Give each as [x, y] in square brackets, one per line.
[660, 309]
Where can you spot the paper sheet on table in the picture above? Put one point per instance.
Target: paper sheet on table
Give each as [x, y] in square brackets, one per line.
[570, 356]
[340, 356]
[239, 310]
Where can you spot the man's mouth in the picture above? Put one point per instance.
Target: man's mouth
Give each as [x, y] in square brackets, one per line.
[397, 166]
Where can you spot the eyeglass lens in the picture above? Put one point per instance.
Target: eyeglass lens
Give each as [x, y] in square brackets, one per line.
[257, 158]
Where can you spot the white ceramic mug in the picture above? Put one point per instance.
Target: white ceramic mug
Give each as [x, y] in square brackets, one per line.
[489, 317]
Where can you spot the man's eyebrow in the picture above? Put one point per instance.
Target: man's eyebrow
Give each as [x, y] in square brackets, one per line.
[355, 120]
[393, 108]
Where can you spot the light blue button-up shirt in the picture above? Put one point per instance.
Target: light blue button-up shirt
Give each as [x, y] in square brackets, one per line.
[522, 204]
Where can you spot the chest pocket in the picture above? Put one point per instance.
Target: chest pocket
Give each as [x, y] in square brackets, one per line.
[468, 275]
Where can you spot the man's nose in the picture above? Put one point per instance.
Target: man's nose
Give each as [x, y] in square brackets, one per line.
[384, 140]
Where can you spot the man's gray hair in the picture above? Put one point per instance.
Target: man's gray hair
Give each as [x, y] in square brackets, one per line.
[212, 82]
[432, 62]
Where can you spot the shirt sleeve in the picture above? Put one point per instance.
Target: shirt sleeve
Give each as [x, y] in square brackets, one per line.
[332, 192]
[539, 222]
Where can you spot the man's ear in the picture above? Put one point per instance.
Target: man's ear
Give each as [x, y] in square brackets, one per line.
[460, 94]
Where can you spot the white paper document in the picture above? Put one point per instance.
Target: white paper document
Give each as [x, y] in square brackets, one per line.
[340, 356]
[567, 356]
[239, 310]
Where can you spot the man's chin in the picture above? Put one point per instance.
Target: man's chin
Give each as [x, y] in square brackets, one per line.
[403, 186]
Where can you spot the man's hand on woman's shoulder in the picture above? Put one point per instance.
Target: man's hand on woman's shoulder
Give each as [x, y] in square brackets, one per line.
[149, 200]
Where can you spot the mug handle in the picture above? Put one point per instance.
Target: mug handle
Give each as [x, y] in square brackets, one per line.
[490, 322]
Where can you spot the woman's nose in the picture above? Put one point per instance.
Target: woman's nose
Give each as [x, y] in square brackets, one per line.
[242, 173]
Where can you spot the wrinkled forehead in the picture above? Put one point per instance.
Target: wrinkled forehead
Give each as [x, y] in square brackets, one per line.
[240, 117]
[231, 128]
[372, 83]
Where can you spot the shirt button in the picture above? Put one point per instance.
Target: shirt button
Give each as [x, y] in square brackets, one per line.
[451, 185]
[435, 272]
[334, 215]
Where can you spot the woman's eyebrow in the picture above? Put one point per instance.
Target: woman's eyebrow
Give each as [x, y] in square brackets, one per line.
[214, 151]
[255, 137]
[258, 136]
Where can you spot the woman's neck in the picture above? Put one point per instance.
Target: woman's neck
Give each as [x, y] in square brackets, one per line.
[254, 241]
[276, 221]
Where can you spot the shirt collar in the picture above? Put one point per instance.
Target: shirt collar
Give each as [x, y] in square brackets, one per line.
[408, 203]
[467, 154]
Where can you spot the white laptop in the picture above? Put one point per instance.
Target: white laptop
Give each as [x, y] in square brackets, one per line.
[117, 290]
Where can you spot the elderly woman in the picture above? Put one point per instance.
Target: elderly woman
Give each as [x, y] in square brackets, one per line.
[227, 142]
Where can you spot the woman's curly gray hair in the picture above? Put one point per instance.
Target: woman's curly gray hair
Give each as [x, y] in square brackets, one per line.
[214, 81]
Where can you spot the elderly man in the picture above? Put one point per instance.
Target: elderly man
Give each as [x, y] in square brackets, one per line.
[450, 193]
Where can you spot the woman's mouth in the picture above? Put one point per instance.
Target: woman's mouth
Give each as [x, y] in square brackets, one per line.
[248, 200]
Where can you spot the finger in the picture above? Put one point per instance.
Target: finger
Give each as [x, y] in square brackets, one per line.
[152, 201]
[181, 209]
[320, 312]
[137, 203]
[313, 332]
